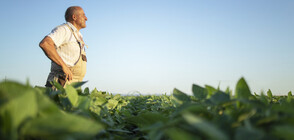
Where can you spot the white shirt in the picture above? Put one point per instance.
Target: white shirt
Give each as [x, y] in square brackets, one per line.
[66, 44]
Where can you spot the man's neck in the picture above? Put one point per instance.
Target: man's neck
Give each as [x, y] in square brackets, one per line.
[74, 24]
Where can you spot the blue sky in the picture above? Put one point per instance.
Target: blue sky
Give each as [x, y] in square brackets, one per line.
[154, 46]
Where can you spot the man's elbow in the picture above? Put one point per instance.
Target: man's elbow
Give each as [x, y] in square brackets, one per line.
[41, 44]
[44, 43]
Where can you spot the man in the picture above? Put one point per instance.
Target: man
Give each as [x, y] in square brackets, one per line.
[64, 46]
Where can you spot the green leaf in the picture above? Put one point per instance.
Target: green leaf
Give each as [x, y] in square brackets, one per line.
[219, 98]
[199, 92]
[290, 93]
[289, 97]
[211, 131]
[112, 104]
[210, 90]
[100, 100]
[243, 133]
[228, 90]
[154, 131]
[57, 85]
[267, 120]
[61, 126]
[78, 84]
[45, 105]
[94, 93]
[72, 95]
[147, 119]
[270, 94]
[242, 90]
[264, 99]
[284, 131]
[86, 91]
[181, 95]
[193, 108]
[10, 90]
[116, 97]
[119, 130]
[84, 103]
[179, 134]
[246, 115]
[285, 108]
[14, 112]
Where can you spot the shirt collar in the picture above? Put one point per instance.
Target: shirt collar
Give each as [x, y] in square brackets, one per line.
[72, 26]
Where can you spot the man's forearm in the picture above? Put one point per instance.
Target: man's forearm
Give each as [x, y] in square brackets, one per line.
[47, 45]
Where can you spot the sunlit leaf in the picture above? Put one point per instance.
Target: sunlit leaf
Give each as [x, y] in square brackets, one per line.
[112, 104]
[116, 97]
[100, 101]
[210, 90]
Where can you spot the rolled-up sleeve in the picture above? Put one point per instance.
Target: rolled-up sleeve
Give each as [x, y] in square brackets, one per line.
[58, 35]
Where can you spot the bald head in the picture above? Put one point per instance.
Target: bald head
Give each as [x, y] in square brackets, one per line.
[71, 11]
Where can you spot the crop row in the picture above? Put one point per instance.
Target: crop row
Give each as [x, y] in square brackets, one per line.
[72, 113]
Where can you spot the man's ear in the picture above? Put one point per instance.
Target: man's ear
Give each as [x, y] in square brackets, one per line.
[74, 17]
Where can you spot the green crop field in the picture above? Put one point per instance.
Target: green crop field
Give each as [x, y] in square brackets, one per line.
[33, 113]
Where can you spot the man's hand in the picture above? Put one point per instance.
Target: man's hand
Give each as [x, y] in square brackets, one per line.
[67, 72]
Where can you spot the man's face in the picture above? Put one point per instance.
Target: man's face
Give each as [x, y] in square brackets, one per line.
[81, 18]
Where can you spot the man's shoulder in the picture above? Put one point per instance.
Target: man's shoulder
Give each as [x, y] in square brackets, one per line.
[61, 28]
[59, 34]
